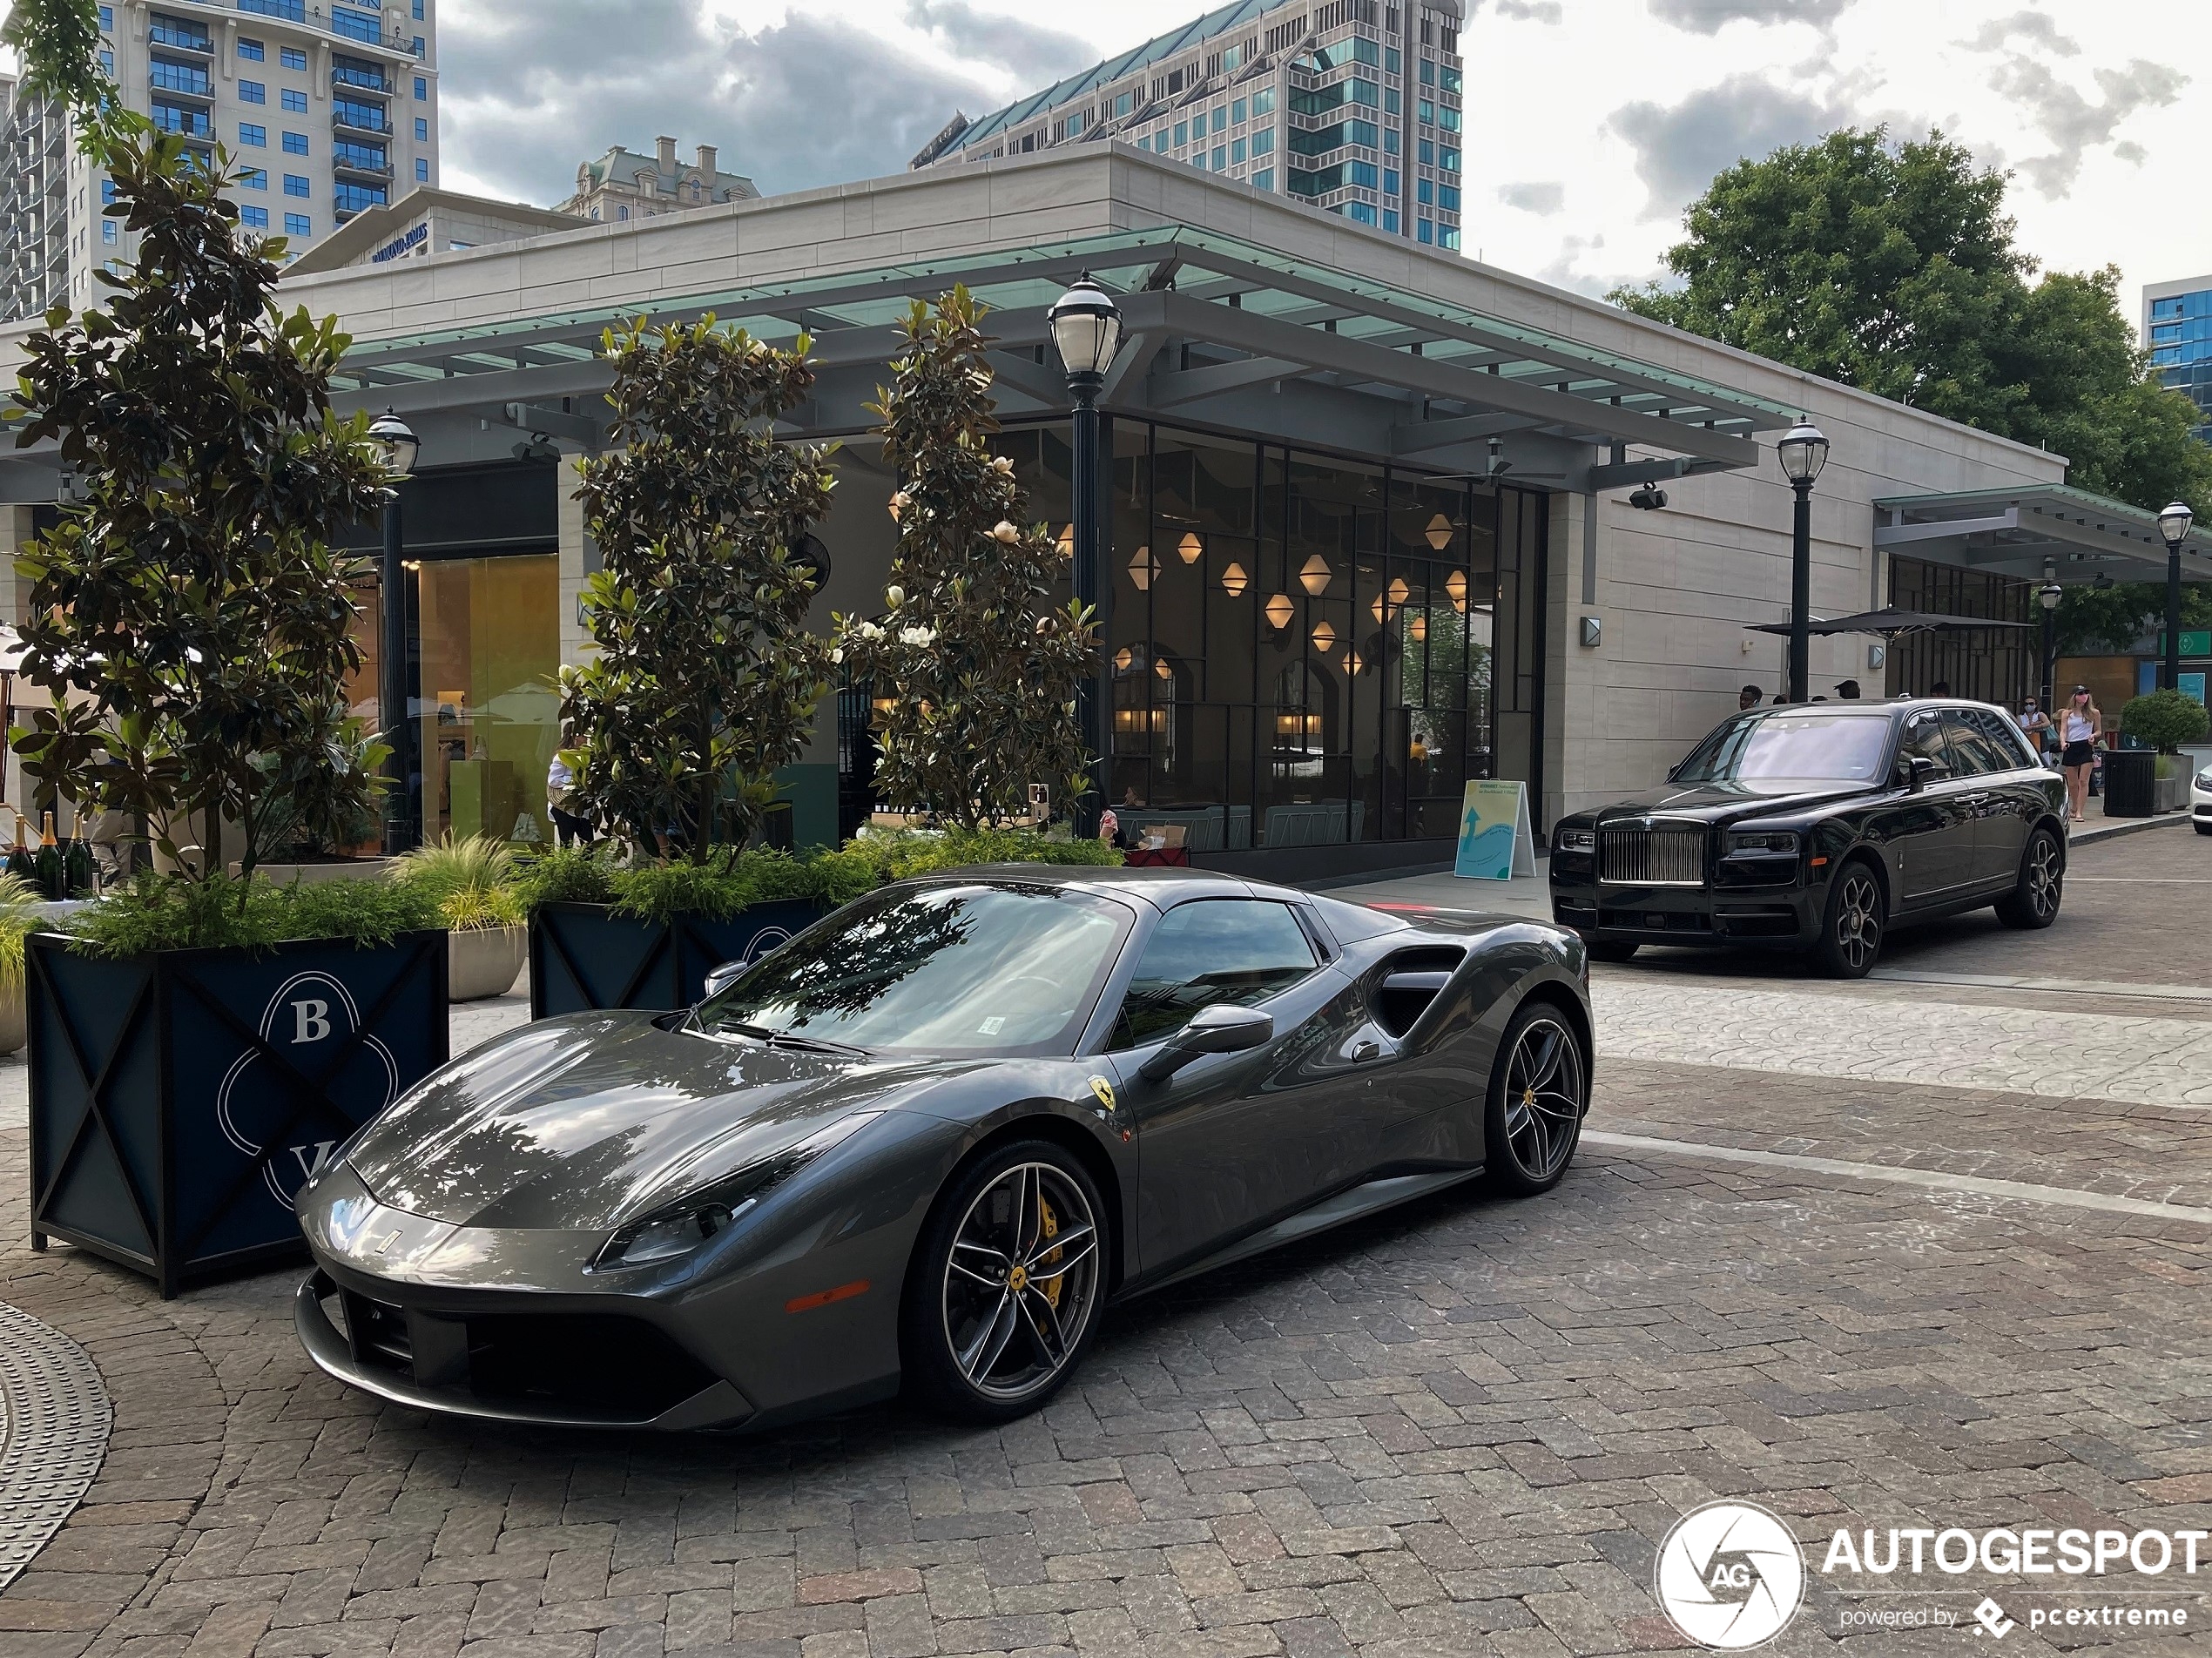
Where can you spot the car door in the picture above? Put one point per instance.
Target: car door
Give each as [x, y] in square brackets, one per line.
[1232, 1141]
[2021, 791]
[1999, 832]
[1931, 831]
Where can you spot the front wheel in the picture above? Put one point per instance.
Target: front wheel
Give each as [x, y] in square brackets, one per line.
[1540, 1091]
[2034, 902]
[1851, 926]
[1008, 1280]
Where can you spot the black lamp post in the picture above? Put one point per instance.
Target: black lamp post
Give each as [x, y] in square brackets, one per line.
[2048, 596]
[1087, 331]
[2174, 525]
[401, 445]
[1804, 452]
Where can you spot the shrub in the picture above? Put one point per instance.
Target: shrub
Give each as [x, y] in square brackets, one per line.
[18, 919]
[219, 911]
[2165, 719]
[566, 875]
[486, 910]
[472, 864]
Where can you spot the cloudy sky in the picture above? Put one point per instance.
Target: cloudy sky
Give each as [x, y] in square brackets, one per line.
[1591, 122]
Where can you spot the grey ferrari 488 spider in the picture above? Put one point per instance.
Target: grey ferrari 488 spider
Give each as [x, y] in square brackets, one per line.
[927, 1142]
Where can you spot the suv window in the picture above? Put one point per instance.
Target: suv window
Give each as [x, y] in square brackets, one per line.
[1923, 739]
[2004, 731]
[1975, 753]
[1213, 951]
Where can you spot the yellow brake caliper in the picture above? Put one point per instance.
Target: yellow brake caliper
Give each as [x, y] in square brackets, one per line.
[1050, 1225]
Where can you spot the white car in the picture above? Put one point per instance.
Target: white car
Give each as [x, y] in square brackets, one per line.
[2200, 801]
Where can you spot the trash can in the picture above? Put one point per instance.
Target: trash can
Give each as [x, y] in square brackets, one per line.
[2131, 781]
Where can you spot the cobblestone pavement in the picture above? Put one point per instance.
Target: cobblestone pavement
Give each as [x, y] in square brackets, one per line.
[1461, 1428]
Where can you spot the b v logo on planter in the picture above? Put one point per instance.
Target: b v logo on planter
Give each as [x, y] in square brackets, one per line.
[311, 1021]
[307, 1009]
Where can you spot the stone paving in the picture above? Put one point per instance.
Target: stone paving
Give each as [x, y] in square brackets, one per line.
[1460, 1428]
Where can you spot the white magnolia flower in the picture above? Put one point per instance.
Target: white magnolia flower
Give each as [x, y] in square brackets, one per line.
[837, 653]
[898, 504]
[869, 631]
[1002, 465]
[917, 637]
[1006, 532]
[894, 597]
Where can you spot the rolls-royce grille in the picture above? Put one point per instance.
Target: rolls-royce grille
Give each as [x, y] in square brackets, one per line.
[1661, 857]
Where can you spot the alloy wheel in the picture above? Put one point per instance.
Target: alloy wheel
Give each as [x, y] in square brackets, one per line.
[1545, 1097]
[1020, 1281]
[1858, 920]
[2045, 877]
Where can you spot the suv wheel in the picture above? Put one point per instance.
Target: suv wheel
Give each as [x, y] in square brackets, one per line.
[1851, 926]
[2034, 902]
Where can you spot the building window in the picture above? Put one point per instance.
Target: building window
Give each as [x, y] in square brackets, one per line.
[418, 10]
[107, 232]
[1427, 112]
[1449, 79]
[295, 103]
[620, 212]
[1220, 157]
[1366, 92]
[299, 225]
[1264, 141]
[1362, 213]
[295, 144]
[1390, 60]
[107, 61]
[107, 18]
[421, 90]
[295, 185]
[1448, 236]
[253, 178]
[253, 218]
[258, 137]
[1448, 118]
[1264, 101]
[1264, 179]
[1220, 119]
[421, 130]
[1448, 159]
[1390, 181]
[1426, 150]
[252, 92]
[107, 193]
[292, 57]
[1428, 71]
[1182, 133]
[419, 45]
[1390, 140]
[1390, 220]
[1236, 111]
[422, 170]
[251, 50]
[1425, 191]
[1235, 152]
[1423, 230]
[1363, 174]
[1447, 196]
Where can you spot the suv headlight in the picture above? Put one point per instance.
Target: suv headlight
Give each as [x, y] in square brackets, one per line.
[1575, 840]
[676, 1229]
[1771, 843]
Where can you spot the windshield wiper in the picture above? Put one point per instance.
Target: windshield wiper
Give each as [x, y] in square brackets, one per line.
[792, 1039]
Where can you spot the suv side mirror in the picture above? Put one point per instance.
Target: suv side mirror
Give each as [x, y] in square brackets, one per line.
[1211, 1030]
[718, 979]
[1920, 769]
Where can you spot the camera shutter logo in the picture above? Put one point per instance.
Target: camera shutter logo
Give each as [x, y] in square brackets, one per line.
[308, 1010]
[1729, 1575]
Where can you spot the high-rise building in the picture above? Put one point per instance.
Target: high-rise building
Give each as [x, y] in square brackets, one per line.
[2177, 327]
[624, 185]
[328, 108]
[1354, 106]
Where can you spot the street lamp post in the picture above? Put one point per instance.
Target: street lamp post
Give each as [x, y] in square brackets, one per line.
[2048, 596]
[401, 445]
[1087, 331]
[1804, 451]
[2174, 525]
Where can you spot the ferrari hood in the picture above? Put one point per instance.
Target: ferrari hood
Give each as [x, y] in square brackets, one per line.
[581, 1123]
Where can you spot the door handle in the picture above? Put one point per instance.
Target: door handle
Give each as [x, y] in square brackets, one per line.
[1362, 1052]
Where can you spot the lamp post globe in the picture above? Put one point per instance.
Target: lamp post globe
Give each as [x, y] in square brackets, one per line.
[1086, 328]
[1804, 451]
[2174, 525]
[2048, 596]
[397, 438]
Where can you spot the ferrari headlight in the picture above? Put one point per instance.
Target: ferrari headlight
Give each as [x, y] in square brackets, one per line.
[1769, 842]
[1575, 840]
[676, 1229]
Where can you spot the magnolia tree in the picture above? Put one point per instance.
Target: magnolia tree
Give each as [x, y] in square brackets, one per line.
[975, 667]
[705, 680]
[187, 613]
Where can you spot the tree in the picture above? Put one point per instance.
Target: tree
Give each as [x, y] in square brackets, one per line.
[187, 613]
[979, 666]
[706, 680]
[1892, 267]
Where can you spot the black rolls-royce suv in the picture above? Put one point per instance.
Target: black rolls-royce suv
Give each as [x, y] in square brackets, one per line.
[1815, 828]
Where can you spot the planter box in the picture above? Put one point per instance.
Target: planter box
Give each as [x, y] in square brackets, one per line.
[484, 961]
[2172, 793]
[585, 956]
[178, 1100]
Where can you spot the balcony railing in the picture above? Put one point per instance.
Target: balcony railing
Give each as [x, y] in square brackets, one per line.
[194, 124]
[189, 79]
[364, 163]
[360, 117]
[337, 24]
[362, 81]
[165, 34]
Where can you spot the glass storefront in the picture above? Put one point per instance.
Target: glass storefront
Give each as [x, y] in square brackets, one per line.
[1995, 664]
[486, 697]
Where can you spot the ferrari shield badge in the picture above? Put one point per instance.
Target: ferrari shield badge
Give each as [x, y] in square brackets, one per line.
[1104, 1090]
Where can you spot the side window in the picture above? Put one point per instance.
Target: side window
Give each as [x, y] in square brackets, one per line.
[1971, 746]
[1923, 740]
[2007, 735]
[1217, 950]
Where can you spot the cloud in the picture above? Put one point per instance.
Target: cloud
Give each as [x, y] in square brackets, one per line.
[1679, 150]
[1561, 273]
[1532, 11]
[1036, 57]
[532, 94]
[2034, 27]
[2071, 121]
[1710, 16]
[1542, 200]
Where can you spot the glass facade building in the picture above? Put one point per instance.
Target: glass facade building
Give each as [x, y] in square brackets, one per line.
[2177, 327]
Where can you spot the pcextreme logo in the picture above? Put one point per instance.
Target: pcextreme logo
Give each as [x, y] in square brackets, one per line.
[1729, 1575]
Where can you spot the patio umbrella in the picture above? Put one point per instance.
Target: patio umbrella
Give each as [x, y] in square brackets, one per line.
[1889, 622]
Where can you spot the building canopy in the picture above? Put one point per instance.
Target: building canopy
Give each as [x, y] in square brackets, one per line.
[2047, 531]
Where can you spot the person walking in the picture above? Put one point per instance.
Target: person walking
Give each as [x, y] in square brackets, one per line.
[2081, 729]
[2035, 725]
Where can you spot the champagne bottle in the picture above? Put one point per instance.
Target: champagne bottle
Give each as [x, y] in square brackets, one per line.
[77, 867]
[48, 872]
[19, 860]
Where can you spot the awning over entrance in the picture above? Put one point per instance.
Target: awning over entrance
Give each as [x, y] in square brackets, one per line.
[1209, 319]
[2073, 534]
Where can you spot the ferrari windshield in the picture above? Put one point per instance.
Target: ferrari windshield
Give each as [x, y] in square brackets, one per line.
[969, 967]
[1779, 753]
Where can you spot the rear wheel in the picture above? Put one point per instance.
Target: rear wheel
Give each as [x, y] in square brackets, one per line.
[1540, 1091]
[1611, 949]
[1007, 1283]
[2034, 902]
[1851, 926]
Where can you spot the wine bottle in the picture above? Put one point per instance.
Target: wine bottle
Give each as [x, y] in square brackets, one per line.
[77, 867]
[48, 872]
[20, 863]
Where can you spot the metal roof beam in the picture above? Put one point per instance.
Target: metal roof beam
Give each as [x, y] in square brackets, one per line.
[1189, 385]
[1418, 437]
[1905, 534]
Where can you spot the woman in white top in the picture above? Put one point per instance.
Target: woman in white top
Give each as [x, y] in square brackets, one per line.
[2081, 729]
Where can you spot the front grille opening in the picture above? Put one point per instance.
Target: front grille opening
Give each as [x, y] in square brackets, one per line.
[377, 1332]
[594, 1362]
[1409, 983]
[1660, 857]
[1760, 924]
[1654, 922]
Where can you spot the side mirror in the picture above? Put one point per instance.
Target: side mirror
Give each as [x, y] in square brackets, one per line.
[1920, 768]
[1212, 1030]
[1675, 771]
[718, 979]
